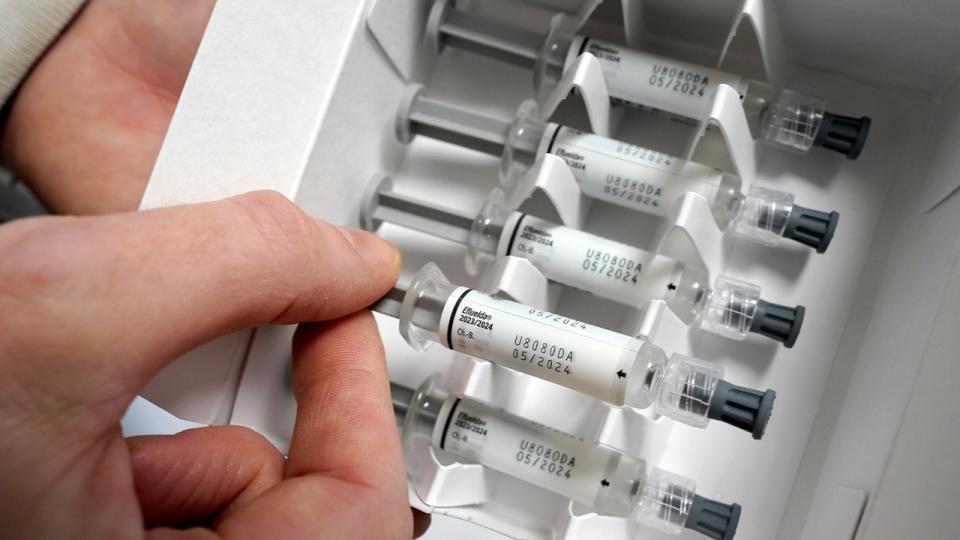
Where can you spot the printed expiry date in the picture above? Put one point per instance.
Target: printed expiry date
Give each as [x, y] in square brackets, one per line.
[558, 319]
[546, 459]
[543, 355]
[677, 80]
[611, 266]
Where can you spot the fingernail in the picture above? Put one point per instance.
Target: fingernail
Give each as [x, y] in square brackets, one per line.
[372, 248]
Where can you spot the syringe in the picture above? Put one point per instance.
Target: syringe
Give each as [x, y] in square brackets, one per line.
[609, 269]
[612, 367]
[784, 119]
[617, 172]
[610, 483]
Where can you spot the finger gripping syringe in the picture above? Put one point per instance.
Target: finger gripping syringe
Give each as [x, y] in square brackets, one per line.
[608, 482]
[616, 172]
[784, 119]
[612, 367]
[609, 269]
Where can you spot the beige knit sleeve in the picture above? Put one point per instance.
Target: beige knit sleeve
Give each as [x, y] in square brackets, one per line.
[27, 28]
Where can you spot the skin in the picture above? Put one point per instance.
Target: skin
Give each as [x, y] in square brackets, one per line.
[92, 307]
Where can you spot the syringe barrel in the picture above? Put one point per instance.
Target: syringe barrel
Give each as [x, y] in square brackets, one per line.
[642, 179]
[607, 481]
[607, 268]
[608, 365]
[633, 77]
[620, 173]
[636, 78]
[599, 477]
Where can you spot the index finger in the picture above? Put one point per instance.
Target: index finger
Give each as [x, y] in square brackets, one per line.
[130, 293]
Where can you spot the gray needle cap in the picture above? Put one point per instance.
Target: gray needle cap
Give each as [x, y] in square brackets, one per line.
[778, 322]
[742, 407]
[811, 227]
[739, 406]
[713, 519]
[843, 134]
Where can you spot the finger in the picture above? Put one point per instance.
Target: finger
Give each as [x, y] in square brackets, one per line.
[135, 291]
[345, 426]
[197, 475]
[344, 473]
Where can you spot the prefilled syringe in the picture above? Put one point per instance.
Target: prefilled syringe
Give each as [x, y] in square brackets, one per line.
[612, 367]
[609, 269]
[610, 483]
[617, 172]
[783, 119]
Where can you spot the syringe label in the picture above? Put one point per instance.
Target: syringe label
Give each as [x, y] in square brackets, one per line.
[546, 345]
[631, 176]
[542, 456]
[643, 79]
[592, 263]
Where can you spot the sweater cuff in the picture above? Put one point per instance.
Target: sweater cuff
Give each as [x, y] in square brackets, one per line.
[28, 27]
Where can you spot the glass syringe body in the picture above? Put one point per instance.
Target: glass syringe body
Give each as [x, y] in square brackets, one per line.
[598, 265]
[607, 365]
[624, 174]
[599, 477]
[639, 178]
[605, 480]
[783, 119]
[617, 172]
[629, 275]
[636, 78]
[549, 346]
[601, 266]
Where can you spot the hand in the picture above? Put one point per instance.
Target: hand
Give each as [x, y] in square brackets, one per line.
[86, 126]
[91, 308]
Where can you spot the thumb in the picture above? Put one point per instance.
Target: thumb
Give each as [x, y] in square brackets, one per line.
[115, 298]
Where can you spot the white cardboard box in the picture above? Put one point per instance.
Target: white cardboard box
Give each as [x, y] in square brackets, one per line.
[301, 98]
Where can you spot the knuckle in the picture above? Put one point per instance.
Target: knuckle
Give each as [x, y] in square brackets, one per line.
[31, 275]
[282, 225]
[29, 254]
